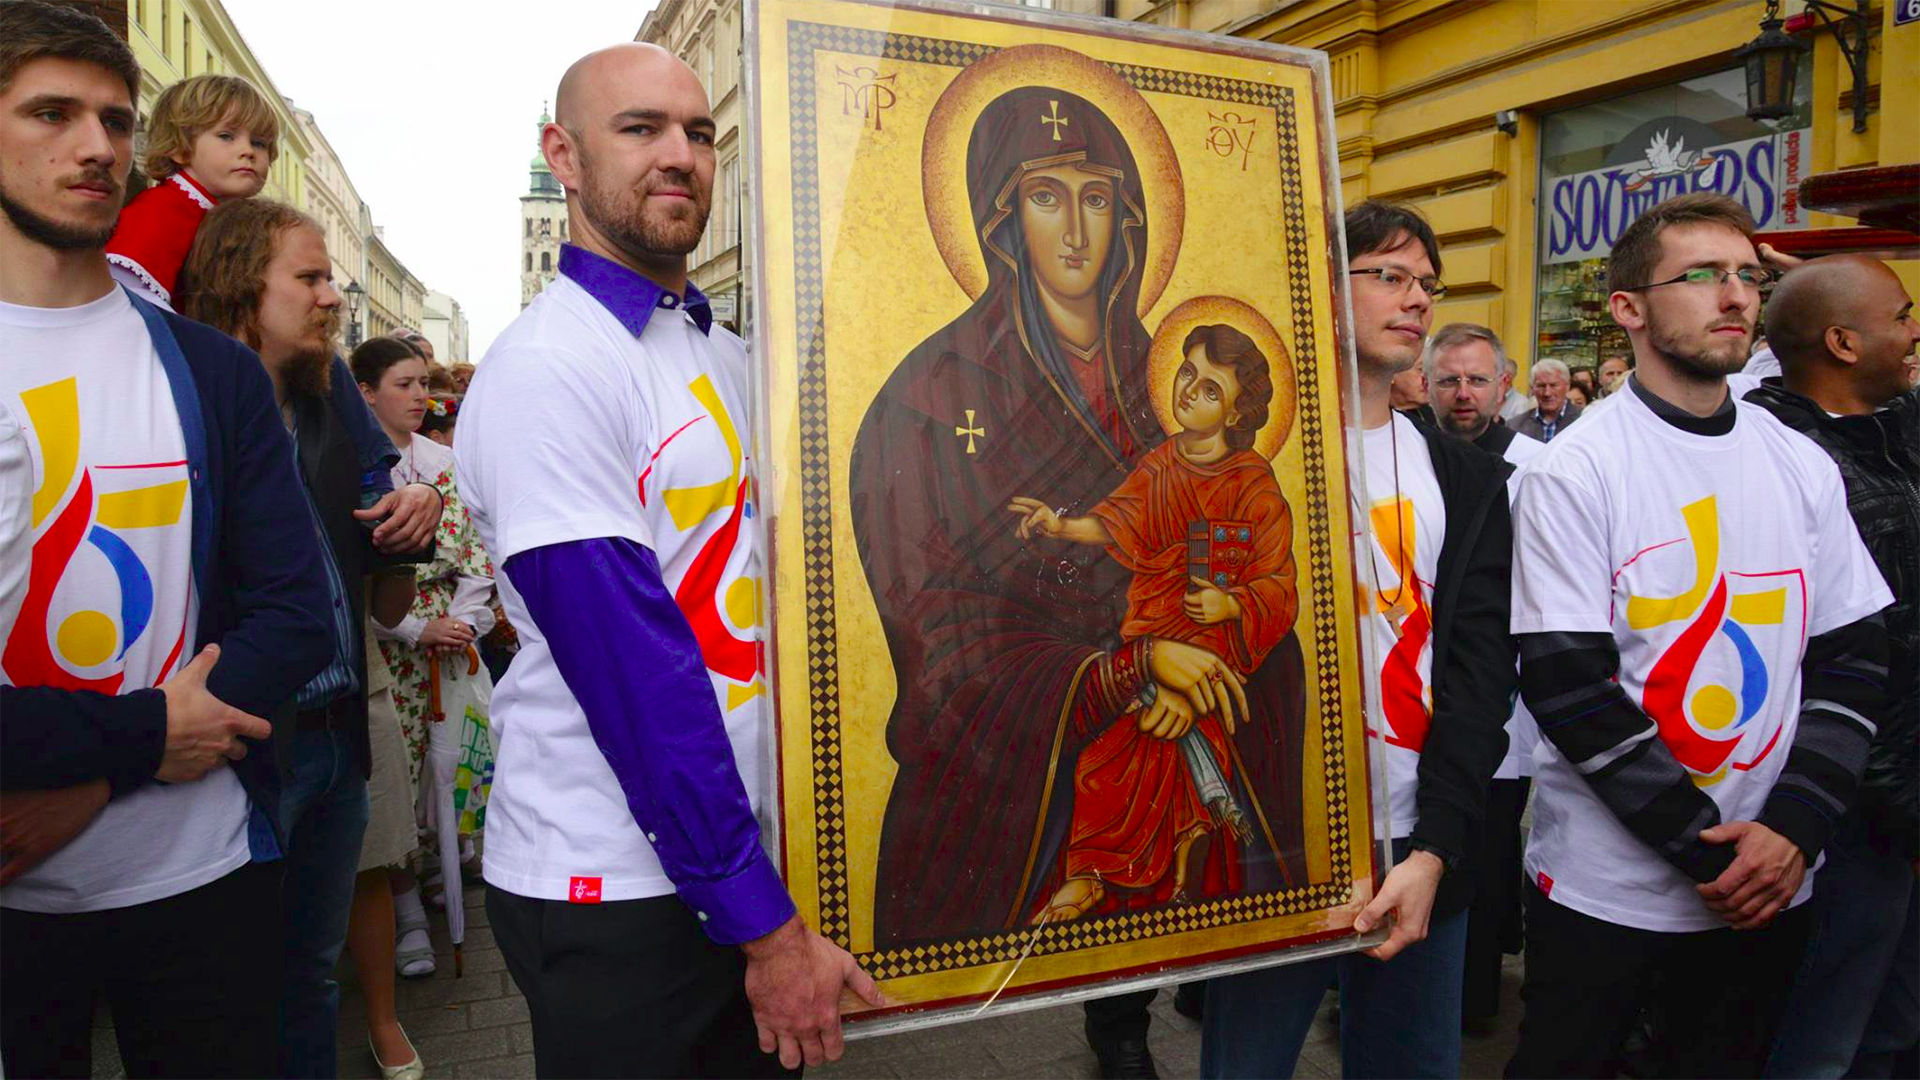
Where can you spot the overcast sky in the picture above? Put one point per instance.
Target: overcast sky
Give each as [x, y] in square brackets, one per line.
[431, 106]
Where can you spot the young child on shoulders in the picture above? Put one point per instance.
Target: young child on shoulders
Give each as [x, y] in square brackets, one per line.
[210, 138]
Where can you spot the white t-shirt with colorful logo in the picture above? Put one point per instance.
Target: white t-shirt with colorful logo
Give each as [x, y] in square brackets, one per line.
[1711, 560]
[1407, 519]
[109, 606]
[664, 417]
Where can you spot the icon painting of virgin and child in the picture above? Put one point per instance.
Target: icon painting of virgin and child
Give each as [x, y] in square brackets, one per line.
[1087, 595]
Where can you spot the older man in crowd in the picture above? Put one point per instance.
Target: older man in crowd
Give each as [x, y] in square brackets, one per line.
[1513, 403]
[1613, 373]
[1844, 331]
[1465, 366]
[1551, 410]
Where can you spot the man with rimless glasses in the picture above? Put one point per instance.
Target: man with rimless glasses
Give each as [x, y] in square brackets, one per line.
[1701, 645]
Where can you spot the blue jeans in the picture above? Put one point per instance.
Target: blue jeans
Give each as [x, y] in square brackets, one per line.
[1854, 1004]
[324, 811]
[1397, 1019]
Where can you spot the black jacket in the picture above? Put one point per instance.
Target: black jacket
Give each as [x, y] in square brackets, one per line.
[1497, 438]
[333, 465]
[1879, 459]
[1473, 659]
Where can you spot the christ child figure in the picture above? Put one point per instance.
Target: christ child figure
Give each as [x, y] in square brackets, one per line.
[1204, 528]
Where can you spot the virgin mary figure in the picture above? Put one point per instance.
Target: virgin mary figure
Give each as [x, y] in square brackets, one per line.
[1007, 657]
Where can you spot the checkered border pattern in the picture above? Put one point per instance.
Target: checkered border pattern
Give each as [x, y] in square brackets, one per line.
[823, 674]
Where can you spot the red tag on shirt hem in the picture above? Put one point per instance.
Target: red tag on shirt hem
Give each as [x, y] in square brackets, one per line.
[1545, 882]
[583, 890]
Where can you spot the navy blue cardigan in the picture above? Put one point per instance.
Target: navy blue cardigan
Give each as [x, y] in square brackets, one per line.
[257, 571]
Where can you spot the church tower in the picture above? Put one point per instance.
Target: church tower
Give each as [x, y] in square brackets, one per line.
[543, 223]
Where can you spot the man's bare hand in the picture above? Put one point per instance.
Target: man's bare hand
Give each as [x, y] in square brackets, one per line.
[1407, 895]
[794, 978]
[35, 824]
[203, 732]
[1778, 259]
[412, 513]
[1766, 872]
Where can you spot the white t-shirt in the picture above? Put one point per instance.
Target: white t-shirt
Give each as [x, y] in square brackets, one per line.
[16, 515]
[1711, 560]
[1762, 364]
[112, 528]
[575, 429]
[1522, 732]
[1407, 520]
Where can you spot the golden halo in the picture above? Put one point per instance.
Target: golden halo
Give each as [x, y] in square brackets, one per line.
[943, 157]
[1165, 358]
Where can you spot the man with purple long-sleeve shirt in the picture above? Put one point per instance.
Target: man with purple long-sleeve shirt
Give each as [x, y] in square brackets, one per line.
[603, 452]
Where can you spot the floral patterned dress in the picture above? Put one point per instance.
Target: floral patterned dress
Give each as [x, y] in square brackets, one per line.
[458, 582]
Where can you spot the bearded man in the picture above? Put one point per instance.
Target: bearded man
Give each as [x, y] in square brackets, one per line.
[626, 880]
[1700, 641]
[161, 601]
[259, 271]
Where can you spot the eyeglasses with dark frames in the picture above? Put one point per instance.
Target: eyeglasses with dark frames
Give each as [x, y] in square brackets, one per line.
[1758, 278]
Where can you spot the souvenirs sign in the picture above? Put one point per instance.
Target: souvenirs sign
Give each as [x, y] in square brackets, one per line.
[1063, 603]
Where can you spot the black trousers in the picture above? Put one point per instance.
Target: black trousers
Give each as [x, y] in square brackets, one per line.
[193, 982]
[1494, 921]
[632, 988]
[1720, 993]
[1120, 1018]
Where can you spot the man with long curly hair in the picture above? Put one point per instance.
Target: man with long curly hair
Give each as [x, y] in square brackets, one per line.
[259, 271]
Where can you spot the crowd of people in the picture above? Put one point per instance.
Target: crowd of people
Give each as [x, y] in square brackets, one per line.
[255, 597]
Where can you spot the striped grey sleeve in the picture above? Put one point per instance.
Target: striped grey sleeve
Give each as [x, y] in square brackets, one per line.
[1843, 694]
[1568, 682]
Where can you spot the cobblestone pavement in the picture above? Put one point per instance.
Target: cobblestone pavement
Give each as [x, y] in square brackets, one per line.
[477, 1026]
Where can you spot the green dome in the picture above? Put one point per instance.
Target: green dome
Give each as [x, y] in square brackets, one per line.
[539, 163]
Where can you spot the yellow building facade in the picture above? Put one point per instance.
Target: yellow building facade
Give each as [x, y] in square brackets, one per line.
[1518, 126]
[177, 39]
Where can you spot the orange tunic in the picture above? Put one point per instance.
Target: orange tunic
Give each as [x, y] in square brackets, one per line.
[1134, 798]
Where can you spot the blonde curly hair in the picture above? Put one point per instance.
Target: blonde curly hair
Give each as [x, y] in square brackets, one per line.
[190, 107]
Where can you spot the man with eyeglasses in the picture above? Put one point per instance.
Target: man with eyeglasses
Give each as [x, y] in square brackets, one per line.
[1465, 365]
[1434, 620]
[1700, 641]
